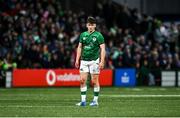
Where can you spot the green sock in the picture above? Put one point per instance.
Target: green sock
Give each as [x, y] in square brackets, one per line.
[96, 93]
[83, 93]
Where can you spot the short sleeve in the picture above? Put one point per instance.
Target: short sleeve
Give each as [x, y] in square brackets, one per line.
[81, 38]
[100, 39]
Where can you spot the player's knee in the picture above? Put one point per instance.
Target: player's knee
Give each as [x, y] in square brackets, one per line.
[94, 82]
[82, 81]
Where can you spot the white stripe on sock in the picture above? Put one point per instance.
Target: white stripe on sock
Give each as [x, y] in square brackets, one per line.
[83, 89]
[95, 98]
[96, 89]
[83, 97]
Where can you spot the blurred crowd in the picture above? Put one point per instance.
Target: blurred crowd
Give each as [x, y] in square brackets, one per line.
[41, 34]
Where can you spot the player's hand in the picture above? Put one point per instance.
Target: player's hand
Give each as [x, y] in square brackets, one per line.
[77, 64]
[101, 65]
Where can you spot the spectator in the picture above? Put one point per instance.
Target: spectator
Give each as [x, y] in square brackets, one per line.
[41, 34]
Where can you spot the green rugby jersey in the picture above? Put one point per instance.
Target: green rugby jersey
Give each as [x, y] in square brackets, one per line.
[91, 45]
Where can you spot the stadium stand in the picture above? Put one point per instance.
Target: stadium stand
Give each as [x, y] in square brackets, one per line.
[41, 34]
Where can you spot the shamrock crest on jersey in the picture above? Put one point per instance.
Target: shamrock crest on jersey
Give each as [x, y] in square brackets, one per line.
[84, 38]
[94, 39]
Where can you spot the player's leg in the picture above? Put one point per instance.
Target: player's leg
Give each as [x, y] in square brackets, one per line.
[83, 87]
[95, 81]
[94, 70]
[84, 71]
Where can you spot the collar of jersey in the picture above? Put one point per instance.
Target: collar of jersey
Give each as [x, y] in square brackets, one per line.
[91, 33]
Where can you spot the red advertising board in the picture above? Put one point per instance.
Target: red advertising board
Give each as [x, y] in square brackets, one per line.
[54, 77]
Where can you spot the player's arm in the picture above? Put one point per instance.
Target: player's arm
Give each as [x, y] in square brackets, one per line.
[102, 56]
[78, 56]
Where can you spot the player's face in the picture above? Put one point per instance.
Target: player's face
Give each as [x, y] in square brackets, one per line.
[91, 27]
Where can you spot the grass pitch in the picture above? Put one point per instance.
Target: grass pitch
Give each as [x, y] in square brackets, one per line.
[113, 102]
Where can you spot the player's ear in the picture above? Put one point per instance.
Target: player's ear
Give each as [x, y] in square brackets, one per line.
[95, 25]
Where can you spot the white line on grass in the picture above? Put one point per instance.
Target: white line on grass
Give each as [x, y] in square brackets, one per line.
[33, 94]
[141, 95]
[137, 89]
[29, 106]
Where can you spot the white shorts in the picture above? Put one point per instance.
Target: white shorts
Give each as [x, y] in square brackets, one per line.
[91, 67]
